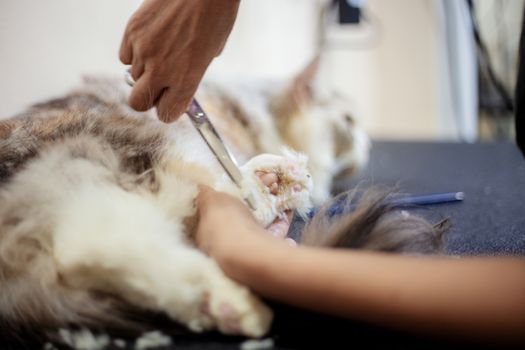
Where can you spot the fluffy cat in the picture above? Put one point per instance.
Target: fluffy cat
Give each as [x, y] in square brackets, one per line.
[97, 213]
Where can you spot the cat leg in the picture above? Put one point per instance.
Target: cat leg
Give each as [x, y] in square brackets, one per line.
[234, 308]
[115, 241]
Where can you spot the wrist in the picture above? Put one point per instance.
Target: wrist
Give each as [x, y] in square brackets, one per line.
[248, 256]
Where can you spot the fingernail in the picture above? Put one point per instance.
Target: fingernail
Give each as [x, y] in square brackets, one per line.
[276, 231]
[291, 242]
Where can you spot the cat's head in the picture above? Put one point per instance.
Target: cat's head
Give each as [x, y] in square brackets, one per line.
[309, 100]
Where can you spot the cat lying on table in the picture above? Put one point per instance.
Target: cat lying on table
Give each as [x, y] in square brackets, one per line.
[97, 212]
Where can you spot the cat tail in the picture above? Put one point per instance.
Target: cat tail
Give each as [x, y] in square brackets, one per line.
[372, 221]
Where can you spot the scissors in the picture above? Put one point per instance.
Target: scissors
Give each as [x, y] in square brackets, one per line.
[202, 123]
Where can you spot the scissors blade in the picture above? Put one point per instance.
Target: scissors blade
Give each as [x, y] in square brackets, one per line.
[205, 128]
[213, 140]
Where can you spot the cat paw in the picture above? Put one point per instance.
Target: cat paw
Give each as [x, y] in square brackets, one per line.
[236, 311]
[280, 185]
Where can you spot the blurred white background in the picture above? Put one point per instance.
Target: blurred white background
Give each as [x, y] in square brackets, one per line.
[410, 68]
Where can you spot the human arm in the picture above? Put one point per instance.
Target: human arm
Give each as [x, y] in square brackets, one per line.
[170, 44]
[474, 298]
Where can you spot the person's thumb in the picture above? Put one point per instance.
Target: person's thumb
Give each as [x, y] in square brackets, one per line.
[204, 193]
[171, 106]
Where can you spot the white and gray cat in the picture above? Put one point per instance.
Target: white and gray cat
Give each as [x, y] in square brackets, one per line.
[97, 212]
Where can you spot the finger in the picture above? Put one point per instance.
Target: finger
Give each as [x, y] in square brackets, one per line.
[291, 242]
[204, 193]
[144, 94]
[204, 189]
[171, 105]
[126, 50]
[136, 70]
[221, 49]
[279, 228]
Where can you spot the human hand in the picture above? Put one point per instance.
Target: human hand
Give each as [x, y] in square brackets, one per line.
[226, 225]
[223, 221]
[169, 45]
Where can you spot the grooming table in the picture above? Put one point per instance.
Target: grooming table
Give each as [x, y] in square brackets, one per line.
[490, 221]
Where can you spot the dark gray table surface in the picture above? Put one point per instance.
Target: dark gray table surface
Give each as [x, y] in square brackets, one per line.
[489, 221]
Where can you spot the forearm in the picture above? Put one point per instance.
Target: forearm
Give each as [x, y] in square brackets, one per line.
[480, 298]
[429, 295]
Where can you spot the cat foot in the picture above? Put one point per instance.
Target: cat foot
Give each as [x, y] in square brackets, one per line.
[278, 228]
[279, 180]
[281, 184]
[236, 311]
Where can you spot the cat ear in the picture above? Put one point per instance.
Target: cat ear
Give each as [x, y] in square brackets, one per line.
[301, 92]
[6, 127]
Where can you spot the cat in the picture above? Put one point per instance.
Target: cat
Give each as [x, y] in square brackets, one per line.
[97, 214]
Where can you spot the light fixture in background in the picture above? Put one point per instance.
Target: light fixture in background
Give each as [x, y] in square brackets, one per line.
[349, 11]
[348, 25]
